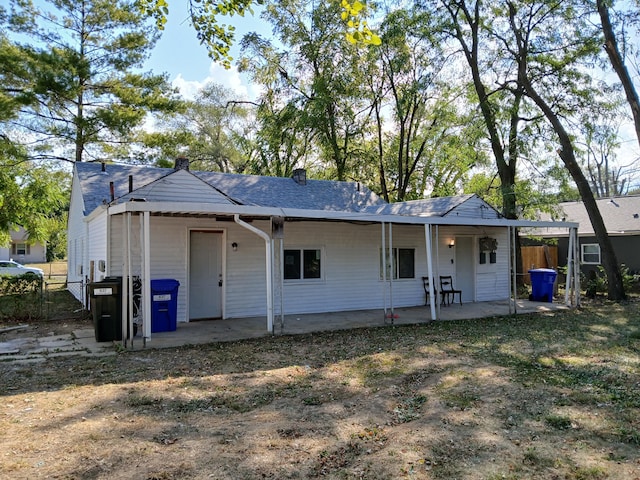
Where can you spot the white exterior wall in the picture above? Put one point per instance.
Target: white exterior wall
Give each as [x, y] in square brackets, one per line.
[96, 247]
[350, 264]
[491, 280]
[76, 237]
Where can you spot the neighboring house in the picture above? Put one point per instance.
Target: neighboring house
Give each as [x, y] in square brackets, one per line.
[22, 250]
[621, 217]
[245, 245]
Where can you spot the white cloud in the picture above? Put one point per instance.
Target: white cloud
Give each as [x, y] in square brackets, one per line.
[231, 79]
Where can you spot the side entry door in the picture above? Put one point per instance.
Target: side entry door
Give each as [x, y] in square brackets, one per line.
[205, 275]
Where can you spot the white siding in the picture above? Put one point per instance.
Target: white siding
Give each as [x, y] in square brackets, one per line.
[75, 239]
[491, 279]
[475, 207]
[96, 246]
[350, 264]
[180, 186]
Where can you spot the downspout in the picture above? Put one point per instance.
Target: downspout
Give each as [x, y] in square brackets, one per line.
[269, 266]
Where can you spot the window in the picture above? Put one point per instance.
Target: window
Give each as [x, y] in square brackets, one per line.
[21, 249]
[302, 264]
[404, 265]
[590, 253]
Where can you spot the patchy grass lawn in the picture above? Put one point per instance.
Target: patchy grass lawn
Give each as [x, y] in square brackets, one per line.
[532, 397]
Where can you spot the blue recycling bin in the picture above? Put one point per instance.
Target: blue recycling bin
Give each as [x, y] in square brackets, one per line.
[542, 280]
[164, 305]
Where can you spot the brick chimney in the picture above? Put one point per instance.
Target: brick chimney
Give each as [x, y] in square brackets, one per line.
[182, 163]
[300, 176]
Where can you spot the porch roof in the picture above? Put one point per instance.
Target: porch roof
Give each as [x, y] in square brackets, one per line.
[216, 209]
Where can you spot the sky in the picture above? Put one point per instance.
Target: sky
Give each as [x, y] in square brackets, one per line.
[185, 60]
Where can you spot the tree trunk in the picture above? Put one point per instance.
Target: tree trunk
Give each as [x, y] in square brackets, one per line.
[611, 47]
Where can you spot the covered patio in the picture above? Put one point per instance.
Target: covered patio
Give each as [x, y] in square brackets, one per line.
[226, 330]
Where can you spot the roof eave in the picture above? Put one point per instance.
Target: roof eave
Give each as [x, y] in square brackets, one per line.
[178, 208]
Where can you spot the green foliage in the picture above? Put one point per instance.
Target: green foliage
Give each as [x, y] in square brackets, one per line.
[79, 69]
[596, 281]
[205, 15]
[20, 297]
[210, 130]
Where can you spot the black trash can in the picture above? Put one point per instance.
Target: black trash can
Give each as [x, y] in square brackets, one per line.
[106, 307]
[164, 305]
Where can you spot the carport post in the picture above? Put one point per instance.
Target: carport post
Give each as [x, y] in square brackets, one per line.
[514, 272]
[432, 296]
[146, 279]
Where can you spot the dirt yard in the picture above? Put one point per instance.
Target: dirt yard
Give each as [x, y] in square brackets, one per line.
[554, 397]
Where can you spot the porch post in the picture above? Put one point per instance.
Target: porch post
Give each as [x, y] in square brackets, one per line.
[384, 272]
[129, 316]
[123, 285]
[514, 269]
[576, 266]
[432, 295]
[392, 272]
[569, 283]
[146, 279]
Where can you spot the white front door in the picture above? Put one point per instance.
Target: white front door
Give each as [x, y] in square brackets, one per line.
[205, 275]
[465, 269]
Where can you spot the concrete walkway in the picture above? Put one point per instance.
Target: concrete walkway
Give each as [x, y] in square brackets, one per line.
[82, 342]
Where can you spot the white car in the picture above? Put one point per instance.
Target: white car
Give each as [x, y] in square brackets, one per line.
[9, 267]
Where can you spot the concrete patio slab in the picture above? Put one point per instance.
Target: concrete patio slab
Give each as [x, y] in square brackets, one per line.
[82, 342]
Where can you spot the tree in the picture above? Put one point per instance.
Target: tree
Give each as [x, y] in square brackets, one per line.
[617, 61]
[81, 60]
[208, 130]
[426, 142]
[499, 93]
[549, 40]
[219, 38]
[601, 144]
[315, 73]
[30, 195]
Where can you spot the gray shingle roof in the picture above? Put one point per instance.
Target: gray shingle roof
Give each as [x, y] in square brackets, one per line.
[428, 207]
[243, 189]
[621, 216]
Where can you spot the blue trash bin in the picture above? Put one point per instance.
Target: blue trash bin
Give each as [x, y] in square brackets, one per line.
[542, 280]
[164, 305]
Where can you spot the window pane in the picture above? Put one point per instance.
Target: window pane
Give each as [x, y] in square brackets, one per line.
[291, 264]
[406, 264]
[311, 264]
[591, 253]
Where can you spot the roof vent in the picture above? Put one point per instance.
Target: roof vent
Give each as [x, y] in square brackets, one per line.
[300, 176]
[635, 215]
[182, 163]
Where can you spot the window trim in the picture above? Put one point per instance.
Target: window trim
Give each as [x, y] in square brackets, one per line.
[582, 253]
[301, 251]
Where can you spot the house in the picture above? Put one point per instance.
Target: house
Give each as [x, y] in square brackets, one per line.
[22, 250]
[621, 217]
[246, 245]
